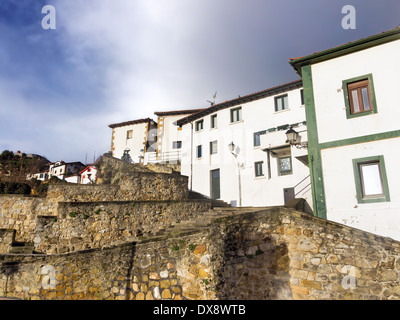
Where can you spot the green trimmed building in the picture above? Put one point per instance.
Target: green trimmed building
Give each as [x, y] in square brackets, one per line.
[352, 100]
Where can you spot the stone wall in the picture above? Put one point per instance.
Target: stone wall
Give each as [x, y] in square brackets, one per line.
[136, 186]
[274, 253]
[84, 225]
[20, 212]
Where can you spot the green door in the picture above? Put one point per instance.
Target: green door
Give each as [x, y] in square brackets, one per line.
[215, 184]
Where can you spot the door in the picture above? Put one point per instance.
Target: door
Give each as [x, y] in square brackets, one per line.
[288, 194]
[215, 184]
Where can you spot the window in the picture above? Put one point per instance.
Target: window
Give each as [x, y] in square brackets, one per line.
[359, 96]
[281, 103]
[213, 121]
[176, 144]
[258, 167]
[257, 138]
[370, 179]
[285, 165]
[213, 147]
[236, 114]
[199, 151]
[129, 134]
[199, 125]
[302, 97]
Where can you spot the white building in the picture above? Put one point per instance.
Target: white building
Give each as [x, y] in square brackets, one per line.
[88, 175]
[41, 176]
[63, 170]
[261, 169]
[169, 136]
[134, 139]
[352, 102]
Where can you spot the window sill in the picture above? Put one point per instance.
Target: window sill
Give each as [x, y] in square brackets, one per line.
[259, 178]
[240, 121]
[281, 111]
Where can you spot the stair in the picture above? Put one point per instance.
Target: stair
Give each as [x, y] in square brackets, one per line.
[22, 248]
[204, 219]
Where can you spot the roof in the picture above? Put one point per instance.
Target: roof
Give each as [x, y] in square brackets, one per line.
[177, 112]
[240, 100]
[350, 47]
[87, 167]
[127, 123]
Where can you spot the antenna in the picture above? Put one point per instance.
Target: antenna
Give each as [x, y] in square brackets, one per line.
[213, 102]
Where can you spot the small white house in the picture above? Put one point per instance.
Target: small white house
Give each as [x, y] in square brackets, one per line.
[351, 95]
[237, 151]
[63, 170]
[41, 176]
[169, 136]
[88, 175]
[131, 140]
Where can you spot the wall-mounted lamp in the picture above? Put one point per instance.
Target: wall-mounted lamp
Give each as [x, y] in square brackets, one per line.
[231, 147]
[292, 137]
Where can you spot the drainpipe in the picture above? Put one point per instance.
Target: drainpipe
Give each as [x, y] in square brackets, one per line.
[313, 186]
[191, 156]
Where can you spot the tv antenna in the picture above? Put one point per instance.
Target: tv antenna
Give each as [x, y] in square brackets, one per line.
[213, 102]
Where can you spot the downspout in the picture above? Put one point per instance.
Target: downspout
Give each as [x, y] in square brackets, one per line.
[315, 209]
[191, 156]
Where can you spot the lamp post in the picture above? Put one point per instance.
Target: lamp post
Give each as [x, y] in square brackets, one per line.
[292, 137]
[231, 147]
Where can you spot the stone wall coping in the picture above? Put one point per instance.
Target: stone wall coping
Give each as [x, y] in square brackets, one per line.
[61, 203]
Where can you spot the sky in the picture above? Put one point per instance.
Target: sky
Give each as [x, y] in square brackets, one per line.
[113, 61]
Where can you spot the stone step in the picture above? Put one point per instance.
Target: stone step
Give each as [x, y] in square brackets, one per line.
[22, 248]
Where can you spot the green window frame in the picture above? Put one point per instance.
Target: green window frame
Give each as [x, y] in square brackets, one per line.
[236, 115]
[213, 122]
[213, 147]
[285, 165]
[371, 96]
[281, 103]
[259, 168]
[199, 151]
[199, 125]
[362, 194]
[257, 139]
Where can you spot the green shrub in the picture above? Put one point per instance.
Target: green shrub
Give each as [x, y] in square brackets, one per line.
[14, 188]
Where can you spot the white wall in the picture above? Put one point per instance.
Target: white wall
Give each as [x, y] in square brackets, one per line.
[135, 144]
[340, 189]
[257, 115]
[168, 133]
[384, 64]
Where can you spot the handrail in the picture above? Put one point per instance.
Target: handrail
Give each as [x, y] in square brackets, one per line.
[301, 181]
[165, 156]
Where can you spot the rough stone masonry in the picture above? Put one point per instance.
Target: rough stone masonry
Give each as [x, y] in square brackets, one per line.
[98, 246]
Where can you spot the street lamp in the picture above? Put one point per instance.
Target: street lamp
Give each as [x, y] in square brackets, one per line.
[292, 137]
[231, 147]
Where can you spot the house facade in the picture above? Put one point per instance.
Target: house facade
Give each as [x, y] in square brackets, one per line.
[88, 175]
[133, 139]
[63, 170]
[169, 136]
[351, 94]
[237, 151]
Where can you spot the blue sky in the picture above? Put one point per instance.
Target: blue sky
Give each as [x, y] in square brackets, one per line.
[113, 61]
